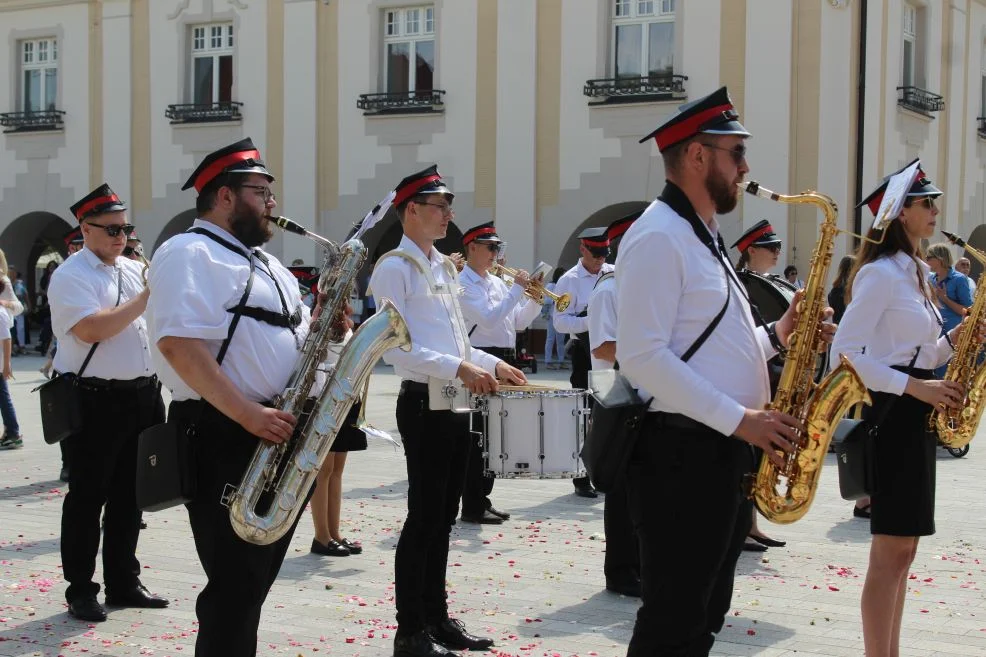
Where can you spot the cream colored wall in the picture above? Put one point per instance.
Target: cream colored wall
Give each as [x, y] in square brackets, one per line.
[116, 101]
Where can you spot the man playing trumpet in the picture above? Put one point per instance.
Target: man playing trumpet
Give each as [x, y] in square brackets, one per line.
[493, 313]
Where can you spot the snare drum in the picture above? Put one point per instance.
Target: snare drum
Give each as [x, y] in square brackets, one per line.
[533, 431]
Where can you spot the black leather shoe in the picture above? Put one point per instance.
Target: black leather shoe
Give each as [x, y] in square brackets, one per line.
[485, 518]
[87, 609]
[420, 644]
[354, 548]
[754, 547]
[861, 512]
[629, 588]
[586, 490]
[138, 596]
[503, 515]
[452, 634]
[331, 549]
[767, 541]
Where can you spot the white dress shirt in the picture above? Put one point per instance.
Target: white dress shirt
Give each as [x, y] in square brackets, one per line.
[496, 311]
[602, 320]
[193, 281]
[886, 321]
[439, 345]
[82, 286]
[578, 283]
[7, 294]
[669, 289]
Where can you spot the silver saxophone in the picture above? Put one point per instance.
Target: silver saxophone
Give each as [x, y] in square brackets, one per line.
[275, 487]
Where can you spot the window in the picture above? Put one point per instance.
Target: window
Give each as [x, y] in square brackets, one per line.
[39, 74]
[910, 46]
[643, 38]
[409, 49]
[212, 63]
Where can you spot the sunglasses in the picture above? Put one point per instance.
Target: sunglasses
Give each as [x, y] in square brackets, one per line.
[116, 229]
[598, 251]
[927, 202]
[776, 248]
[738, 152]
[494, 247]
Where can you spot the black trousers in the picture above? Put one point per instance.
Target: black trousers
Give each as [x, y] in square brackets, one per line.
[239, 573]
[103, 473]
[436, 449]
[622, 562]
[479, 482]
[579, 378]
[686, 482]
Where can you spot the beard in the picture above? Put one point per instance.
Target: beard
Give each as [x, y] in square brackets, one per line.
[722, 192]
[249, 226]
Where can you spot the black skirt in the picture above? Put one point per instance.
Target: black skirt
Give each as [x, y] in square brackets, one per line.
[904, 502]
[350, 438]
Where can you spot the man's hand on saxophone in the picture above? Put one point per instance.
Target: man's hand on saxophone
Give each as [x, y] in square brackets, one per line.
[770, 431]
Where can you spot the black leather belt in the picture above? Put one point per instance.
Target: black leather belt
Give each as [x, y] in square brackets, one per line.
[415, 387]
[678, 421]
[95, 383]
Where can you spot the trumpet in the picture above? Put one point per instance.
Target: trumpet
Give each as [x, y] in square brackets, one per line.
[535, 288]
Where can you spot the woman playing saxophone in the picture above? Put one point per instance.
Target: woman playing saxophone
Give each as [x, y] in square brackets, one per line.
[892, 333]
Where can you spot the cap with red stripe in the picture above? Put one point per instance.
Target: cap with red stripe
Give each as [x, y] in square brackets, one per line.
[622, 225]
[307, 276]
[714, 115]
[595, 238]
[760, 234]
[74, 236]
[483, 233]
[241, 157]
[100, 200]
[922, 186]
[428, 181]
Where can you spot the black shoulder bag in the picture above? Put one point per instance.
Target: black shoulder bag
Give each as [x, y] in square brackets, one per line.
[166, 463]
[855, 445]
[618, 412]
[61, 408]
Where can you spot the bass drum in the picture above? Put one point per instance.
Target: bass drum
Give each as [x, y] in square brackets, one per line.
[771, 294]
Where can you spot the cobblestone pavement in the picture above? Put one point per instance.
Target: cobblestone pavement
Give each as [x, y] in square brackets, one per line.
[534, 583]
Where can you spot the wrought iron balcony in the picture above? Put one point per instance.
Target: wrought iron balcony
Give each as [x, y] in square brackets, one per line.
[643, 89]
[402, 102]
[224, 110]
[32, 121]
[919, 100]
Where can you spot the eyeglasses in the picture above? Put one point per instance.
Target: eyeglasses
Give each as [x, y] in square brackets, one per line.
[927, 202]
[598, 252]
[267, 194]
[738, 152]
[444, 208]
[116, 229]
[494, 247]
[776, 248]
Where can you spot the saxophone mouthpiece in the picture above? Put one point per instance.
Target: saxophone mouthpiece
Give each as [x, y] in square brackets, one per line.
[955, 239]
[289, 225]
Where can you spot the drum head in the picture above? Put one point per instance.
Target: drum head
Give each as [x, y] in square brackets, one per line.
[773, 296]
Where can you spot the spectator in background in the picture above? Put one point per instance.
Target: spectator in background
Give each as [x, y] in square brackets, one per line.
[951, 289]
[963, 266]
[837, 295]
[791, 274]
[19, 290]
[554, 342]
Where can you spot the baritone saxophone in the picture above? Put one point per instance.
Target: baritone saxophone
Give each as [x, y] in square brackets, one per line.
[956, 429]
[784, 494]
[274, 488]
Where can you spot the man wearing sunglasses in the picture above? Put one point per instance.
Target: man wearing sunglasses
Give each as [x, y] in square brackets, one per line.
[578, 282]
[97, 301]
[493, 313]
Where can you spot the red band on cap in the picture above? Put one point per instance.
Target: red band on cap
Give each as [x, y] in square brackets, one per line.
[96, 202]
[874, 204]
[412, 189]
[688, 128]
[595, 244]
[753, 237]
[217, 167]
[618, 230]
[476, 234]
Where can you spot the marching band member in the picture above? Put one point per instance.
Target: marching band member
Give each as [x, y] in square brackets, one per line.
[622, 562]
[97, 301]
[578, 283]
[891, 331]
[198, 277]
[694, 348]
[423, 284]
[493, 313]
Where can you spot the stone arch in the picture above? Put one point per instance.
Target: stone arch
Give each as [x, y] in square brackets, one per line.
[977, 240]
[603, 217]
[178, 224]
[30, 236]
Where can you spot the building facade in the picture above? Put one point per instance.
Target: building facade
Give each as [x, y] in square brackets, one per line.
[531, 108]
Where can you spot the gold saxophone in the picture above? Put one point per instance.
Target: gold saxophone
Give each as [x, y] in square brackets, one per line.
[784, 495]
[957, 428]
[274, 489]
